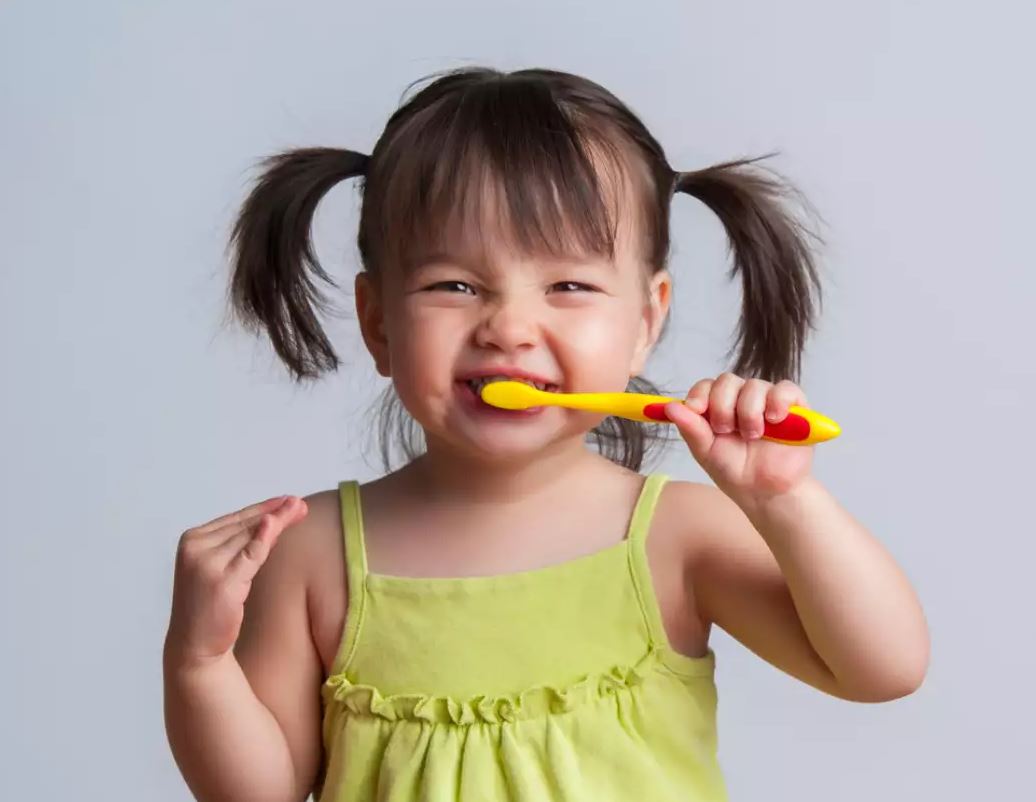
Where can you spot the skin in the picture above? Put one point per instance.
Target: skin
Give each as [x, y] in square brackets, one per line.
[767, 554]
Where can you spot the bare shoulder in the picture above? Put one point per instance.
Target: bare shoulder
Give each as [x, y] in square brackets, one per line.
[311, 552]
[692, 518]
[712, 534]
[686, 520]
[694, 529]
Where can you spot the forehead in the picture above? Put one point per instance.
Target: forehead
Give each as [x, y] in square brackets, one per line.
[501, 224]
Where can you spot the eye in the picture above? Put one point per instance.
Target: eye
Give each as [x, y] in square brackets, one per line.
[441, 285]
[579, 286]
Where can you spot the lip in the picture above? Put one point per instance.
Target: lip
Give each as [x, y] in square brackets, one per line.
[475, 404]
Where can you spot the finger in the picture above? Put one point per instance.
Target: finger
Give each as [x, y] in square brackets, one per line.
[256, 549]
[783, 395]
[698, 396]
[231, 547]
[693, 428]
[292, 510]
[250, 558]
[751, 404]
[195, 547]
[215, 538]
[241, 515]
[723, 401]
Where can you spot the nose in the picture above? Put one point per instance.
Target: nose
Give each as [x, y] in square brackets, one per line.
[507, 325]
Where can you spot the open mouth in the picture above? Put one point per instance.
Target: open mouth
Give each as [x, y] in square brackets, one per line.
[477, 384]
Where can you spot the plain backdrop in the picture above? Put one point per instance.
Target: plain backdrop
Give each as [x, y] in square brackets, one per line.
[128, 136]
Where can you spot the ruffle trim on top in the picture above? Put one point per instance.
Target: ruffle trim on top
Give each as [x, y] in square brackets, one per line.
[366, 700]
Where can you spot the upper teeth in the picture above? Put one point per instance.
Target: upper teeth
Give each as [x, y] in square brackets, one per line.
[481, 381]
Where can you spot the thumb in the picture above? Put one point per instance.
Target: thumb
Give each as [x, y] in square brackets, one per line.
[255, 552]
[694, 429]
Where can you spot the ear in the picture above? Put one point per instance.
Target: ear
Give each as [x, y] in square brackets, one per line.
[370, 314]
[656, 307]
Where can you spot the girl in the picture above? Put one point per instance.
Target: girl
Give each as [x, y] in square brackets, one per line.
[512, 615]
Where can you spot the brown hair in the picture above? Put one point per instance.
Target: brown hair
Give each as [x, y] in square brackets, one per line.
[547, 141]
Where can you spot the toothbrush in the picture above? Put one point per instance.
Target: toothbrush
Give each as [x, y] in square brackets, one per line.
[802, 427]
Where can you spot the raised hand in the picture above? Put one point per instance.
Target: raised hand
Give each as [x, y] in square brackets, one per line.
[215, 565]
[727, 445]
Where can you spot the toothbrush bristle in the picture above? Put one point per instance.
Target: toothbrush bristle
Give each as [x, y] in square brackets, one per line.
[508, 394]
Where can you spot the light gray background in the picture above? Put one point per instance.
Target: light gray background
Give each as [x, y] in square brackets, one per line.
[127, 135]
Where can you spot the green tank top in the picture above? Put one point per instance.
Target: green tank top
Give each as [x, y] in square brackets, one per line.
[551, 684]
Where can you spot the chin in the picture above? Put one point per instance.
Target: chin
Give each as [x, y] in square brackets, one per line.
[500, 446]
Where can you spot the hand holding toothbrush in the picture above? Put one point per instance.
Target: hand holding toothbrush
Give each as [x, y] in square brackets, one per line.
[722, 421]
[736, 428]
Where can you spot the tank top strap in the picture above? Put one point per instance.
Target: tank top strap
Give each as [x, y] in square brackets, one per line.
[355, 550]
[640, 570]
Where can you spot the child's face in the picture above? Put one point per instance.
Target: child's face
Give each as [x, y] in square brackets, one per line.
[585, 325]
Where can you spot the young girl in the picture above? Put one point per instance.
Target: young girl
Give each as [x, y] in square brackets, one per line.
[511, 614]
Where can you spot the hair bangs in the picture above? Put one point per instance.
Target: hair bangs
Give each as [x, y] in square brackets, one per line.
[500, 164]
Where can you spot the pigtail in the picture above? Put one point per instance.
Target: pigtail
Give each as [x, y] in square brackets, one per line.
[270, 287]
[772, 253]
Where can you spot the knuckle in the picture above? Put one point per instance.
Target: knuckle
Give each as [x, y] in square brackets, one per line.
[722, 422]
[751, 400]
[252, 551]
[189, 550]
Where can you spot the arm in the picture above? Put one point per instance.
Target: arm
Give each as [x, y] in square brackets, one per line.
[780, 565]
[244, 724]
[806, 587]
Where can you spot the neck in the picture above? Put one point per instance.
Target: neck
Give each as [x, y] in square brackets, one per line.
[445, 474]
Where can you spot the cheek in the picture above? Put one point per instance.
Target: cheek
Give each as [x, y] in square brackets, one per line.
[601, 344]
[420, 344]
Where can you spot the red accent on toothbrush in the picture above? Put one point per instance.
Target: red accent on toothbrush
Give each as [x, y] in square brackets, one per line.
[655, 412]
[794, 427]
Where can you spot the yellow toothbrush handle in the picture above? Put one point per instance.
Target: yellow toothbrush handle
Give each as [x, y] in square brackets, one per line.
[625, 405]
[801, 427]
